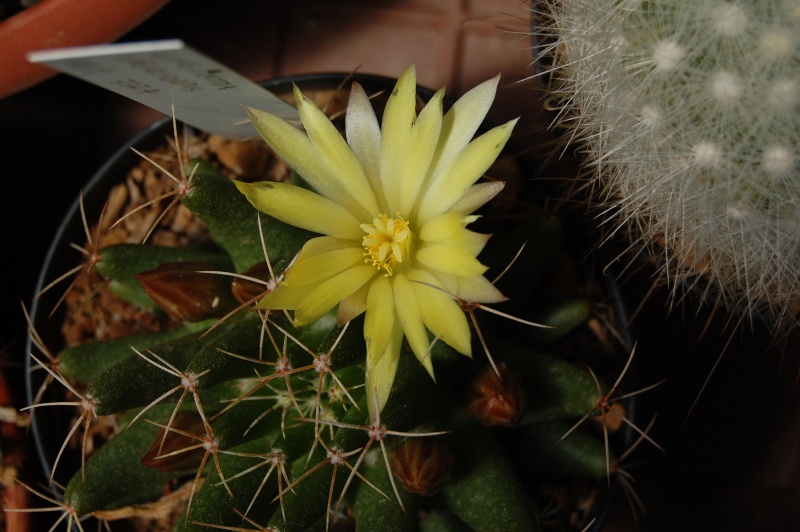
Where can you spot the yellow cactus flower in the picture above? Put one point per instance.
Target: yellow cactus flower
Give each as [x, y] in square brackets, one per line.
[392, 202]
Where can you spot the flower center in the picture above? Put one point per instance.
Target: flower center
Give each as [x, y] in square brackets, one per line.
[387, 242]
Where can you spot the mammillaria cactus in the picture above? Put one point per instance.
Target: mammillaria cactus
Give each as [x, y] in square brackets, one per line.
[686, 114]
[324, 382]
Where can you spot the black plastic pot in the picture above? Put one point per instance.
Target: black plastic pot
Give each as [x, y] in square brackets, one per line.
[61, 257]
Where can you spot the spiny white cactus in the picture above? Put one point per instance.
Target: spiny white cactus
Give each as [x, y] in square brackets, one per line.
[687, 112]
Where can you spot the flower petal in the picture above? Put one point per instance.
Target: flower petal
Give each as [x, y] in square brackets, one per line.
[473, 289]
[454, 181]
[472, 242]
[408, 312]
[295, 147]
[380, 318]
[285, 297]
[338, 157]
[448, 226]
[440, 313]
[323, 266]
[422, 145]
[451, 258]
[398, 118]
[477, 196]
[329, 293]
[381, 372]
[323, 244]
[364, 137]
[302, 208]
[353, 305]
[461, 122]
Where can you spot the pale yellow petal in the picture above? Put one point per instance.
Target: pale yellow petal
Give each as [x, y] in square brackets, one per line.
[422, 145]
[323, 244]
[343, 165]
[323, 266]
[441, 314]
[398, 118]
[472, 242]
[329, 293]
[353, 305]
[296, 149]
[450, 258]
[454, 181]
[408, 312]
[302, 208]
[284, 297]
[461, 122]
[473, 289]
[381, 372]
[477, 196]
[380, 318]
[447, 226]
[364, 137]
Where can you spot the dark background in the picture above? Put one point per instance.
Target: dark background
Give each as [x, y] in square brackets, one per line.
[731, 466]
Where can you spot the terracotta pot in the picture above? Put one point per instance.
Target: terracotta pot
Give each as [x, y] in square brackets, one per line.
[62, 23]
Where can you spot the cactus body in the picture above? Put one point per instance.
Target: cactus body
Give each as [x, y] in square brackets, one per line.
[687, 116]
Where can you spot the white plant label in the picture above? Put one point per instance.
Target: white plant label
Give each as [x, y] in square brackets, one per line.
[167, 74]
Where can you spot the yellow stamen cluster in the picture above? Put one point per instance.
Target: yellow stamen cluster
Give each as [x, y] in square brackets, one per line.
[387, 242]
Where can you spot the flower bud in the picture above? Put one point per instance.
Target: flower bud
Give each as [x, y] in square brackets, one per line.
[186, 294]
[497, 399]
[422, 465]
